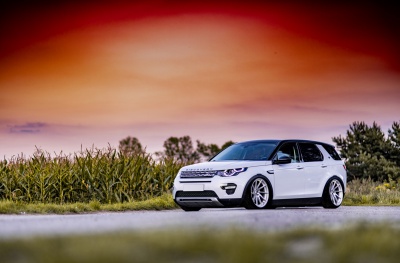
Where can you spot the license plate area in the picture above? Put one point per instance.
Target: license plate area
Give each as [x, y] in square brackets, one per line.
[193, 187]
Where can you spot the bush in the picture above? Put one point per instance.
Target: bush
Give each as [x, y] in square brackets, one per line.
[368, 192]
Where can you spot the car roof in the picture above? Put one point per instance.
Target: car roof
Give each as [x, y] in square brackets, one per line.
[261, 141]
[275, 141]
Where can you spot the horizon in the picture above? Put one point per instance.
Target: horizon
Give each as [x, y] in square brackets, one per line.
[108, 147]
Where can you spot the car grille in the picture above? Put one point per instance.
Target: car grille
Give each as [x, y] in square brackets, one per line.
[196, 174]
[196, 194]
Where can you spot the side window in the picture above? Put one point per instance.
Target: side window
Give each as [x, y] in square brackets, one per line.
[290, 150]
[310, 152]
[332, 152]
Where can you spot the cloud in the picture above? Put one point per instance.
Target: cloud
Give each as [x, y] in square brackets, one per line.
[28, 128]
[327, 111]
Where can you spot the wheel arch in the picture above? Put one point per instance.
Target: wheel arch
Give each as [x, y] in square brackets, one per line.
[246, 187]
[335, 177]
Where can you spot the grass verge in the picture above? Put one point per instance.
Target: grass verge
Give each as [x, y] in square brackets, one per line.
[368, 192]
[158, 203]
[359, 192]
[361, 243]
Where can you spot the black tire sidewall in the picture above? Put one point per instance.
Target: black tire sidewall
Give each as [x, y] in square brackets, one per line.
[248, 202]
[326, 198]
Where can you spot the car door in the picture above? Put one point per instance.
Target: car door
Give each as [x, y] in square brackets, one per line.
[314, 168]
[289, 178]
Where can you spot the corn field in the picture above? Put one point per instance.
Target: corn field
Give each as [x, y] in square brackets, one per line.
[107, 176]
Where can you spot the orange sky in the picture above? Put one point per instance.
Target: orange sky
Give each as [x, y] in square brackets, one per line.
[101, 72]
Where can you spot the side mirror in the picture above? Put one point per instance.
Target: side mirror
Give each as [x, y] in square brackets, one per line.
[282, 160]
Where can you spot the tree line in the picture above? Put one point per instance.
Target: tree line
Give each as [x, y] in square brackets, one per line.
[367, 150]
[178, 148]
[370, 153]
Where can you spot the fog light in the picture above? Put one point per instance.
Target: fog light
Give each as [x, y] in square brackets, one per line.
[229, 188]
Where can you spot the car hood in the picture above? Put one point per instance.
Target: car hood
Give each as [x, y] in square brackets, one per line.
[223, 165]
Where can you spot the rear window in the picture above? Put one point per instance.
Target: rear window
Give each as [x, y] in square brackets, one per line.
[332, 152]
[310, 152]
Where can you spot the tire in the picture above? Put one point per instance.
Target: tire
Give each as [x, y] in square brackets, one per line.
[258, 194]
[333, 194]
[189, 209]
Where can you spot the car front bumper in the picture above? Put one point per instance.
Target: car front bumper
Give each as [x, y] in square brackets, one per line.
[209, 192]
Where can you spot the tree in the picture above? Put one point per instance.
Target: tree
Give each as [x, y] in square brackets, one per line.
[130, 146]
[369, 153]
[394, 137]
[180, 149]
[210, 150]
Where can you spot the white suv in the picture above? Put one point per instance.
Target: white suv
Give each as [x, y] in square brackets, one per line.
[264, 174]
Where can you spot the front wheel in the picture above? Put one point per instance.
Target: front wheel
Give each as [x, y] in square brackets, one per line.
[258, 194]
[332, 196]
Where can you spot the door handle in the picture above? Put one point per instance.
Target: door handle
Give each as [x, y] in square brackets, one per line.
[324, 166]
[300, 167]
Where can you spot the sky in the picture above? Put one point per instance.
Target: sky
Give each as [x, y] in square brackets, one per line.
[77, 74]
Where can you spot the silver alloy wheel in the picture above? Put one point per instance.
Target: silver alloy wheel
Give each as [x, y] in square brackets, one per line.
[336, 192]
[259, 192]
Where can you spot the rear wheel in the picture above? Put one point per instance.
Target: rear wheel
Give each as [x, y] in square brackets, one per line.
[332, 196]
[258, 194]
[190, 209]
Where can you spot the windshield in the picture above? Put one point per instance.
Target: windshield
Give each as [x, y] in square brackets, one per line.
[252, 151]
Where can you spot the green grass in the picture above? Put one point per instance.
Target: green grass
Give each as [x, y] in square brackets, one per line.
[367, 192]
[163, 202]
[361, 243]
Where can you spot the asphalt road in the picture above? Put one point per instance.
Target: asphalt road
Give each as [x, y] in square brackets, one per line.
[282, 218]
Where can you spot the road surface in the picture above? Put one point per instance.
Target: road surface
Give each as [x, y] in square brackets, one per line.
[270, 220]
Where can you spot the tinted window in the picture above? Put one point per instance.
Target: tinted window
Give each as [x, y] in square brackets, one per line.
[332, 152]
[289, 150]
[310, 152]
[254, 151]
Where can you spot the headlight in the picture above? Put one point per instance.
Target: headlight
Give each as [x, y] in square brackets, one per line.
[231, 172]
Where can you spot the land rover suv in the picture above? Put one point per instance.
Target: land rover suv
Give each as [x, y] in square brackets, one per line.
[264, 174]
